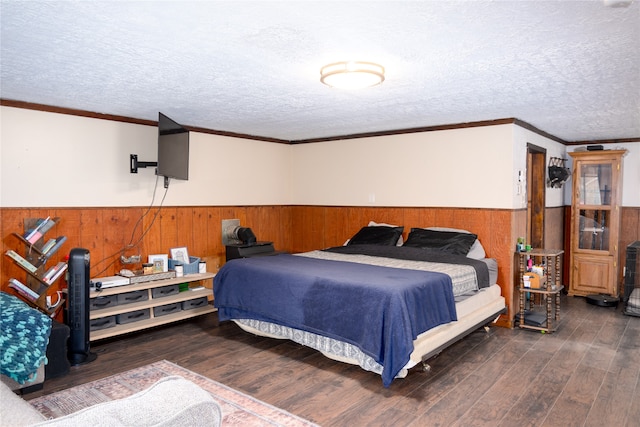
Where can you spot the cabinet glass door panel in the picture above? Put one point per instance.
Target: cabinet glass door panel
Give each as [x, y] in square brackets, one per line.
[595, 184]
[595, 222]
[593, 229]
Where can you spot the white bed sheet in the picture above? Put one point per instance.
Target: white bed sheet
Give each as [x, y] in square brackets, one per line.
[470, 311]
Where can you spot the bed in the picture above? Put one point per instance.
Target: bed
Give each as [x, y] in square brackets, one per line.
[374, 302]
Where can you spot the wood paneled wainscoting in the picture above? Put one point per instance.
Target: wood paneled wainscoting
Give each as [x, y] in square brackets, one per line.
[109, 233]
[324, 226]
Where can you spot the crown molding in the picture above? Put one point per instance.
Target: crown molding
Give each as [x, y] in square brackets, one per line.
[113, 117]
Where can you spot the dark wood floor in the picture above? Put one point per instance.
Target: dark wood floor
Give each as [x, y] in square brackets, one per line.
[585, 374]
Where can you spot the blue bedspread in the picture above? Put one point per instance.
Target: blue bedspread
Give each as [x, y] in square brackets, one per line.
[381, 310]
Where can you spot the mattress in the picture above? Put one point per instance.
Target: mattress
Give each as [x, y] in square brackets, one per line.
[472, 310]
[464, 277]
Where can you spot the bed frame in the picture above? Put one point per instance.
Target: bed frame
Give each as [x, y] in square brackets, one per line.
[484, 323]
[430, 343]
[325, 272]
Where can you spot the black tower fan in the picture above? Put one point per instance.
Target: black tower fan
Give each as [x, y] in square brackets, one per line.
[78, 308]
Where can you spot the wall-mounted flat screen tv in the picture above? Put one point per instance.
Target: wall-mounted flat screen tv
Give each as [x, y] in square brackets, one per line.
[173, 149]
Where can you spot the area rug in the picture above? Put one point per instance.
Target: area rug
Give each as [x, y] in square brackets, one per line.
[238, 409]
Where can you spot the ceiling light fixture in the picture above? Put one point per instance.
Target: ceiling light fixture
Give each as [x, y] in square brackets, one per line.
[618, 3]
[352, 74]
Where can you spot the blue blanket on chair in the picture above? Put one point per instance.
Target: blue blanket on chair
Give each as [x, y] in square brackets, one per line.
[381, 310]
[24, 336]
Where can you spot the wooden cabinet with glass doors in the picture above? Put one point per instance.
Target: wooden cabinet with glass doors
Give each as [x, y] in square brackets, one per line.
[595, 222]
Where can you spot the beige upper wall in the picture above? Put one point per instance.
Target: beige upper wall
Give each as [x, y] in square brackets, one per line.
[49, 159]
[470, 167]
[521, 137]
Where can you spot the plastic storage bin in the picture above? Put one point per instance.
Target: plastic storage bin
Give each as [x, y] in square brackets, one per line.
[191, 268]
[131, 297]
[102, 323]
[133, 316]
[165, 291]
[194, 303]
[163, 310]
[99, 303]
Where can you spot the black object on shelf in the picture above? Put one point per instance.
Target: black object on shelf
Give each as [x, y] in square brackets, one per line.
[534, 318]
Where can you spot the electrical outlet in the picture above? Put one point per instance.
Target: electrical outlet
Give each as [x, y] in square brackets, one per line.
[133, 259]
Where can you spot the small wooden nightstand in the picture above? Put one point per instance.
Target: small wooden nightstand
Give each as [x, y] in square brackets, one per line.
[547, 262]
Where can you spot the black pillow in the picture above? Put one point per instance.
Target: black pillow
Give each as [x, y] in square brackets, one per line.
[377, 235]
[446, 241]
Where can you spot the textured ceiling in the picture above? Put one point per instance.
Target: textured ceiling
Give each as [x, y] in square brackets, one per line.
[569, 68]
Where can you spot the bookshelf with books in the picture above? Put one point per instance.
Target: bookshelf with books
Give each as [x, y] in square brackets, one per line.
[33, 258]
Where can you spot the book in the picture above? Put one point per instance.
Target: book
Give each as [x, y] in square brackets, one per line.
[37, 234]
[21, 261]
[52, 271]
[33, 239]
[23, 290]
[47, 226]
[30, 231]
[62, 268]
[49, 273]
[48, 245]
[40, 223]
[59, 241]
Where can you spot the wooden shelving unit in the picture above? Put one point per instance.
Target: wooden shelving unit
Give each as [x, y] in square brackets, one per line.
[150, 304]
[33, 261]
[549, 290]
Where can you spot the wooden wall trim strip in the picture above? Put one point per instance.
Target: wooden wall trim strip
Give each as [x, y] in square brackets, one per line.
[95, 115]
[75, 112]
[124, 119]
[410, 130]
[534, 129]
[605, 141]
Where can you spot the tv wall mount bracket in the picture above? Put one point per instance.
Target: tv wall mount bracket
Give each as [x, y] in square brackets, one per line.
[134, 164]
